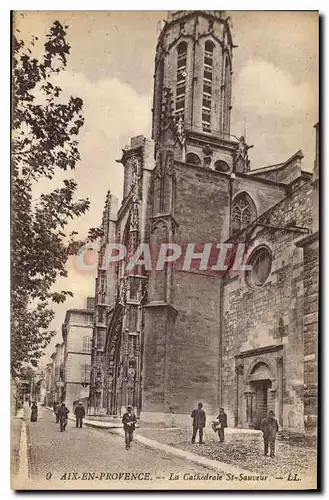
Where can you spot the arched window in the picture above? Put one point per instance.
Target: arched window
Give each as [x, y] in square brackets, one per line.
[158, 95]
[193, 159]
[209, 47]
[86, 344]
[227, 94]
[243, 212]
[207, 85]
[181, 77]
[261, 263]
[221, 166]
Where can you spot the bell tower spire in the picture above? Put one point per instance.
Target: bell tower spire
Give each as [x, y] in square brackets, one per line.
[194, 60]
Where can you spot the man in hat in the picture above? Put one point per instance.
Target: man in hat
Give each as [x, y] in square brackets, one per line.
[199, 422]
[80, 414]
[129, 424]
[269, 427]
[220, 424]
[62, 415]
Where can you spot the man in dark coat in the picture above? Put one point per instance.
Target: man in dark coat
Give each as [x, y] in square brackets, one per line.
[270, 427]
[79, 414]
[220, 424]
[129, 424]
[199, 422]
[62, 415]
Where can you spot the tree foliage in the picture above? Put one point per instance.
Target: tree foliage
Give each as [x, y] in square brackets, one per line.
[44, 140]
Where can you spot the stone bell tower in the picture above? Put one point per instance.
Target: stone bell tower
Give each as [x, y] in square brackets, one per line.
[194, 60]
[190, 204]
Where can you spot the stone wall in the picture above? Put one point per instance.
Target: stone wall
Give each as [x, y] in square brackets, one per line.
[310, 246]
[296, 209]
[181, 342]
[272, 314]
[201, 208]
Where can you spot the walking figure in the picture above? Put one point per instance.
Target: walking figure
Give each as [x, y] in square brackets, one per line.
[220, 424]
[62, 415]
[34, 412]
[56, 407]
[79, 415]
[199, 422]
[269, 427]
[129, 424]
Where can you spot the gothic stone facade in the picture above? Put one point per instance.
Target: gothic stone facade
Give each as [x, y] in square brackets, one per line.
[165, 340]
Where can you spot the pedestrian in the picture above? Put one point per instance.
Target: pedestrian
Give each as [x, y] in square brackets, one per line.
[79, 414]
[56, 407]
[269, 427]
[129, 424]
[220, 424]
[26, 406]
[34, 412]
[62, 414]
[199, 422]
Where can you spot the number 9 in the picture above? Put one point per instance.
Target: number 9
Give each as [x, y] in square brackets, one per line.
[48, 475]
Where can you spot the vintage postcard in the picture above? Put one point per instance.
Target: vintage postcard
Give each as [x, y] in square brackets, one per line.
[165, 242]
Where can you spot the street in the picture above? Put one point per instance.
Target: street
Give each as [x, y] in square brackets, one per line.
[93, 459]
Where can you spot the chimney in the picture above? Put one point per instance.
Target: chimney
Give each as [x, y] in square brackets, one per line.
[90, 302]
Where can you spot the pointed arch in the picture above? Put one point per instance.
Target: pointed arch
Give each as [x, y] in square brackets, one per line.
[243, 211]
[227, 85]
[112, 360]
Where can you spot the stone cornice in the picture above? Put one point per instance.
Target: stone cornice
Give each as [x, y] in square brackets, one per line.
[259, 350]
[311, 238]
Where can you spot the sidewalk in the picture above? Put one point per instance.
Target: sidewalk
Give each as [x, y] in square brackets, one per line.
[15, 438]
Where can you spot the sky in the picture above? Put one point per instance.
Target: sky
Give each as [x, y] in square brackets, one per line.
[111, 66]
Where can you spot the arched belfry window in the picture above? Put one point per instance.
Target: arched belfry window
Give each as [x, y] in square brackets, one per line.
[193, 159]
[207, 85]
[181, 77]
[221, 166]
[243, 212]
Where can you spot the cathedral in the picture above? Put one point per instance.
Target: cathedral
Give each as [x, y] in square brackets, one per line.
[163, 340]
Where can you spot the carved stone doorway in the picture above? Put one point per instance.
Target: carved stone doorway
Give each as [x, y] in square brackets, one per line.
[260, 410]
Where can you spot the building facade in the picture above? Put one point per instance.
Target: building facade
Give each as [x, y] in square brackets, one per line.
[77, 335]
[56, 374]
[165, 339]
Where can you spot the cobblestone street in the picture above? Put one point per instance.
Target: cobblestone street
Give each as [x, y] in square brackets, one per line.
[245, 450]
[54, 454]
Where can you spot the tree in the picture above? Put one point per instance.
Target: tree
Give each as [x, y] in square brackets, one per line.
[44, 139]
